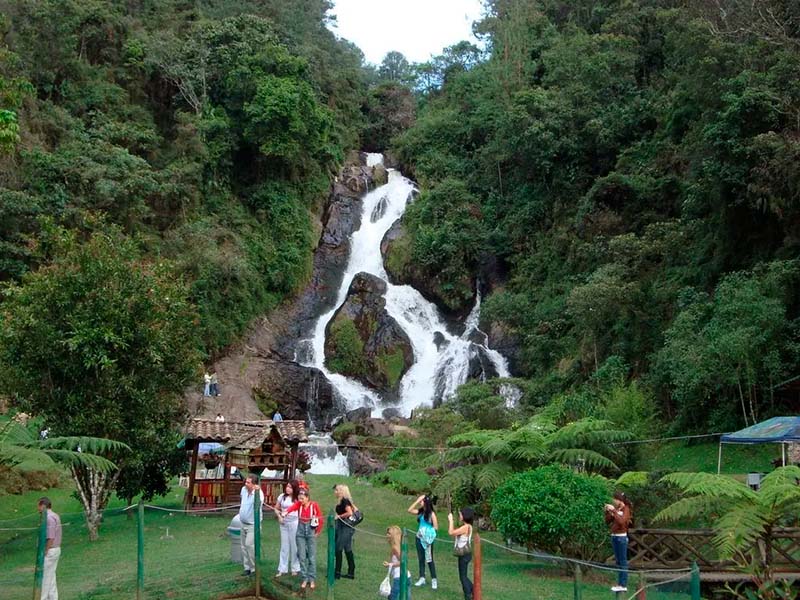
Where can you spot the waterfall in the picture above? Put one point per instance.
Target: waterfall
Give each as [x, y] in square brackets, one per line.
[325, 456]
[442, 360]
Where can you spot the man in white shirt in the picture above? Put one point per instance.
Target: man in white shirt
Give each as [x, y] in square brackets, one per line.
[247, 517]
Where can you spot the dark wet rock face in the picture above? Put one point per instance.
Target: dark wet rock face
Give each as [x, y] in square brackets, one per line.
[362, 341]
[298, 392]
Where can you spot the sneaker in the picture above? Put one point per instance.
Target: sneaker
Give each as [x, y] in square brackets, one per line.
[434, 584]
[420, 582]
[619, 588]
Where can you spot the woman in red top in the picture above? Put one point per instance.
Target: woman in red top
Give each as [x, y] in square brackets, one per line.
[619, 516]
[309, 526]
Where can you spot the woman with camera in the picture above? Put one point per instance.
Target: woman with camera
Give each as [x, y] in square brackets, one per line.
[427, 524]
[344, 531]
[309, 526]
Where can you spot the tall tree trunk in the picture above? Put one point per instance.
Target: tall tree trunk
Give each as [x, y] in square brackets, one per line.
[94, 489]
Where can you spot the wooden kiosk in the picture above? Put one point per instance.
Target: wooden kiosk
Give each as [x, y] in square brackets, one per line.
[214, 448]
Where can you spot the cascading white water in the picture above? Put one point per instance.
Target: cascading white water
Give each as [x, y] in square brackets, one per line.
[441, 359]
[325, 456]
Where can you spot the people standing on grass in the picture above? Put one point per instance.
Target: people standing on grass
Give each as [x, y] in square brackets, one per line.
[247, 518]
[344, 531]
[394, 535]
[619, 515]
[462, 547]
[309, 517]
[426, 535]
[52, 550]
[288, 525]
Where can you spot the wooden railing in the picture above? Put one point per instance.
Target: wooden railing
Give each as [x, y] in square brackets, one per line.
[678, 548]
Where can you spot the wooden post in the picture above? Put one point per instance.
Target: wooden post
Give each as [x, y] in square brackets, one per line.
[577, 584]
[477, 567]
[257, 530]
[641, 593]
[192, 471]
[38, 574]
[140, 552]
[331, 555]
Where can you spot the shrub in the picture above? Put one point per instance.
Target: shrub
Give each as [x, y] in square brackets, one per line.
[343, 431]
[553, 509]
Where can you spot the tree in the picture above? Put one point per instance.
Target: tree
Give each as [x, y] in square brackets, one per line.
[395, 67]
[481, 460]
[100, 343]
[738, 515]
[554, 509]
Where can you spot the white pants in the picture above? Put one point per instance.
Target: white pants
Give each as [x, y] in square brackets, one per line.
[248, 547]
[289, 548]
[49, 589]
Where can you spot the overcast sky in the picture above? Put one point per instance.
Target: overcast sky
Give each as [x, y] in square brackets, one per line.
[417, 28]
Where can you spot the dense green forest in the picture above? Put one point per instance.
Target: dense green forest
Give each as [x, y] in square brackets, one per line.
[634, 165]
[207, 132]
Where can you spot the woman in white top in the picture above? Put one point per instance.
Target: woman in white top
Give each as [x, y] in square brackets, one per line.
[288, 526]
[463, 535]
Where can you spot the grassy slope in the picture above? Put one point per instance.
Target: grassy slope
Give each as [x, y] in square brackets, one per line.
[679, 456]
[195, 563]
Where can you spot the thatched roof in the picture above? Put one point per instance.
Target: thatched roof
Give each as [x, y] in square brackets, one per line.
[244, 434]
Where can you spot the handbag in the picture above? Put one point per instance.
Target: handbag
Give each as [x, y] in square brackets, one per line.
[356, 517]
[466, 548]
[385, 589]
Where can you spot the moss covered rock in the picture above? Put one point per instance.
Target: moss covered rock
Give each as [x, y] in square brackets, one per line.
[362, 341]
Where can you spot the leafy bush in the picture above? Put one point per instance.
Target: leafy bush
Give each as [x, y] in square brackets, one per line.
[343, 431]
[553, 509]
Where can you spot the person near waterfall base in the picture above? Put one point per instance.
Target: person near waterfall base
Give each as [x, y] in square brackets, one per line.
[394, 535]
[309, 527]
[427, 524]
[344, 531]
[288, 557]
[619, 515]
[463, 546]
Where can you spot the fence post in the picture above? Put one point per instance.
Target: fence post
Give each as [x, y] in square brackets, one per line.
[641, 593]
[403, 567]
[331, 554]
[140, 552]
[39, 572]
[578, 584]
[695, 583]
[257, 530]
[477, 567]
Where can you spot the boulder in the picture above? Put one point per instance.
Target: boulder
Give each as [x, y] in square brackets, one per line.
[402, 270]
[363, 464]
[364, 342]
[298, 392]
[358, 415]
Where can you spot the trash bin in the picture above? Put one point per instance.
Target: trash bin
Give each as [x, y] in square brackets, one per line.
[235, 533]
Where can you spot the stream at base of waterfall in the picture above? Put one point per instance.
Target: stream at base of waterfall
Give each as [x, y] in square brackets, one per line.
[441, 355]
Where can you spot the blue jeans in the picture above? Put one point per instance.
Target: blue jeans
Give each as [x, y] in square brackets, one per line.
[307, 551]
[463, 575]
[620, 545]
[395, 593]
[421, 560]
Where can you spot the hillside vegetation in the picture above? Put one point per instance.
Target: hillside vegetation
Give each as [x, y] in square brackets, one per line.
[628, 171]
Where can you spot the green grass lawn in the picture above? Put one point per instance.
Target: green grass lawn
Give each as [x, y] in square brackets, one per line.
[680, 456]
[193, 563]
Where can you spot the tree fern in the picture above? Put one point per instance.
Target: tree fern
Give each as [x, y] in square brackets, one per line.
[691, 507]
[710, 484]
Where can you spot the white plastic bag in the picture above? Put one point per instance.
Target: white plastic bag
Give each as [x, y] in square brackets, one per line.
[386, 585]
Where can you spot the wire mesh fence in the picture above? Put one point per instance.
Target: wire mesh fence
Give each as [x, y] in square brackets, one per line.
[166, 552]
